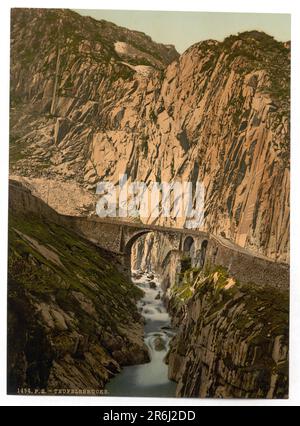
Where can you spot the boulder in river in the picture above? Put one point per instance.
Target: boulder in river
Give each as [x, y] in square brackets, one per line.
[152, 285]
[137, 276]
[150, 276]
[159, 344]
[157, 297]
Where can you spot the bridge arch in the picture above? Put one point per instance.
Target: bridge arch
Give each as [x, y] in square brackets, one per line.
[133, 239]
[203, 250]
[188, 244]
[171, 241]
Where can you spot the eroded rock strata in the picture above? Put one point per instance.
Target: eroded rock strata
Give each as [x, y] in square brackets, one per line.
[232, 339]
[91, 100]
[72, 315]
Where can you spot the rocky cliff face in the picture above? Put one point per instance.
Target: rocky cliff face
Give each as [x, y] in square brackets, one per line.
[232, 339]
[91, 100]
[72, 316]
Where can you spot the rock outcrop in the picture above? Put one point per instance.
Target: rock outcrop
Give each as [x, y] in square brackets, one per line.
[232, 339]
[91, 100]
[72, 315]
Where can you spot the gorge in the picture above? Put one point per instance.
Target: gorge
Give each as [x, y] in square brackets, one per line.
[151, 378]
[73, 281]
[91, 100]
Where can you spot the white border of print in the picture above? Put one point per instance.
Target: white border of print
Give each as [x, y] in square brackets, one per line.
[274, 6]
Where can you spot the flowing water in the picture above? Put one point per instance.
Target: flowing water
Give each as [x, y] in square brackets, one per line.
[150, 379]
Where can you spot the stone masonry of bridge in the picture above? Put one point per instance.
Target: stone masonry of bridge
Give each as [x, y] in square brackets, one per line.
[118, 237]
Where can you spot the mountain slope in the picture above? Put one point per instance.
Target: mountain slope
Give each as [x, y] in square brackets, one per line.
[91, 100]
[72, 316]
[232, 340]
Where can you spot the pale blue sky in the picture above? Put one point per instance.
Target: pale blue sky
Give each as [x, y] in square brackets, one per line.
[186, 28]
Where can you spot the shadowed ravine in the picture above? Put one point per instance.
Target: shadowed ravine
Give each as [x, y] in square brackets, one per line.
[149, 379]
[91, 101]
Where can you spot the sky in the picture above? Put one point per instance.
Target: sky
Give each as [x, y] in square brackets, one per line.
[186, 28]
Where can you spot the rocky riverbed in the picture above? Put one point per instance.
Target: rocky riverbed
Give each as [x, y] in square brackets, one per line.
[150, 379]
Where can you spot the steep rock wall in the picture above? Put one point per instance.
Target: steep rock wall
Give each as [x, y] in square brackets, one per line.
[218, 114]
[232, 339]
[72, 315]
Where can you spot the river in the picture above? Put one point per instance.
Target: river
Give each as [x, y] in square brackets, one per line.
[150, 379]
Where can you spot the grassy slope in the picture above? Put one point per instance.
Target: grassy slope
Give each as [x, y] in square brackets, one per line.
[67, 305]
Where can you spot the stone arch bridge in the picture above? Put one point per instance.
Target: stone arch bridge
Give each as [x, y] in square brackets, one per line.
[118, 237]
